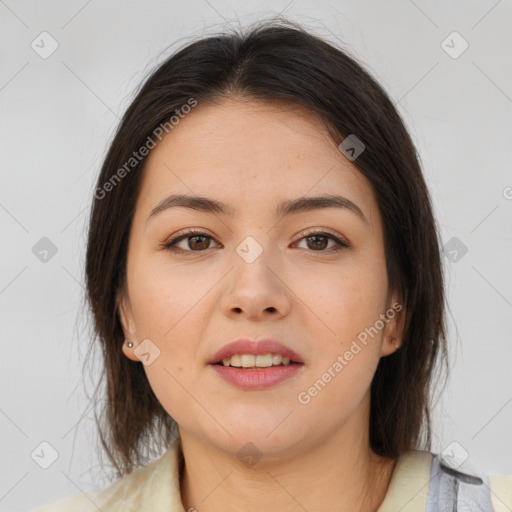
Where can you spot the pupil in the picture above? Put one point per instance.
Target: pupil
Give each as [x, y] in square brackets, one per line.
[201, 245]
[316, 237]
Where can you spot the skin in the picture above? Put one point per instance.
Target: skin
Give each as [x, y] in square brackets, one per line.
[252, 156]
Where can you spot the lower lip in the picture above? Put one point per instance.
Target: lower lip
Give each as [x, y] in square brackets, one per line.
[253, 379]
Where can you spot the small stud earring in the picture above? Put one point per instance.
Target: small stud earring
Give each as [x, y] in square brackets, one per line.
[392, 340]
[129, 344]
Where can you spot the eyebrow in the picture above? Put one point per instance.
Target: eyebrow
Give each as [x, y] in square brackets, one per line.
[286, 208]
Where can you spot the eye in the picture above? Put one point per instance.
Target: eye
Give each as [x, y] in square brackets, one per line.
[317, 241]
[195, 240]
[199, 241]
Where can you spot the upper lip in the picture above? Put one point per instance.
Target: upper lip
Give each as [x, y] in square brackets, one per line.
[261, 347]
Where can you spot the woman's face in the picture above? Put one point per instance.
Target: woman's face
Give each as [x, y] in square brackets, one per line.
[255, 273]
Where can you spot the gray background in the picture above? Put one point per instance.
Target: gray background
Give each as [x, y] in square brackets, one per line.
[59, 113]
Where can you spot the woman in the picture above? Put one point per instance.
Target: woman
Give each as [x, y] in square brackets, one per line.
[264, 272]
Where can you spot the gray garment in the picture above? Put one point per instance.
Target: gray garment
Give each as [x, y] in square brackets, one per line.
[453, 491]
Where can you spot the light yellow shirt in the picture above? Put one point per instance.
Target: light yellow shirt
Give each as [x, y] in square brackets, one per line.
[156, 488]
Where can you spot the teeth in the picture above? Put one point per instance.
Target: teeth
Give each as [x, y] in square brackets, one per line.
[259, 361]
[248, 361]
[263, 361]
[236, 361]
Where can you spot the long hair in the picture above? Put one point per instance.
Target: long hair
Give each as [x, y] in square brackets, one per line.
[273, 61]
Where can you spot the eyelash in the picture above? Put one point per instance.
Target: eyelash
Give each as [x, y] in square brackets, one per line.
[189, 233]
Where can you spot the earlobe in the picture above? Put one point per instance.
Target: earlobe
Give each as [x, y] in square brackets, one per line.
[128, 350]
[394, 330]
[389, 346]
[395, 342]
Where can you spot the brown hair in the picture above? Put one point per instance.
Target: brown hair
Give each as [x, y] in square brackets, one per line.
[273, 61]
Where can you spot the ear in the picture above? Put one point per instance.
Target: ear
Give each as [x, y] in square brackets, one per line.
[125, 313]
[394, 324]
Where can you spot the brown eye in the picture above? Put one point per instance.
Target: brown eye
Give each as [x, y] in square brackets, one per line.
[198, 242]
[319, 241]
[193, 241]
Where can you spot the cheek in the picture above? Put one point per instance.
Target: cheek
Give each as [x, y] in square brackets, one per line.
[346, 359]
[162, 297]
[163, 304]
[349, 298]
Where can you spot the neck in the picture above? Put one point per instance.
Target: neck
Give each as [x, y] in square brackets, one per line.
[336, 474]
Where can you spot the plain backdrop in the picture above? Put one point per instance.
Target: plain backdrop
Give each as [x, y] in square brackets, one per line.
[59, 112]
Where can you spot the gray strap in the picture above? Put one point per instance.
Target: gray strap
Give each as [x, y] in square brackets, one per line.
[453, 491]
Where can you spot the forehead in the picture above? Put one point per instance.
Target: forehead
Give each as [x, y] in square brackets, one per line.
[250, 155]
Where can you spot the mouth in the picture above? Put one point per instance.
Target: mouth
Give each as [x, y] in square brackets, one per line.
[252, 365]
[248, 353]
[256, 362]
[256, 365]
[251, 377]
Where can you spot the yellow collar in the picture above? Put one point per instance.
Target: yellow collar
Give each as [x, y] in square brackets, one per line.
[409, 485]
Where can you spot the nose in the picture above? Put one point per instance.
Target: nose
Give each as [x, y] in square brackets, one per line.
[256, 290]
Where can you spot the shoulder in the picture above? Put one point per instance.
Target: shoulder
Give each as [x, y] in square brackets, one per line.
[448, 485]
[501, 492]
[78, 503]
[133, 493]
[409, 484]
[424, 481]
[117, 497]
